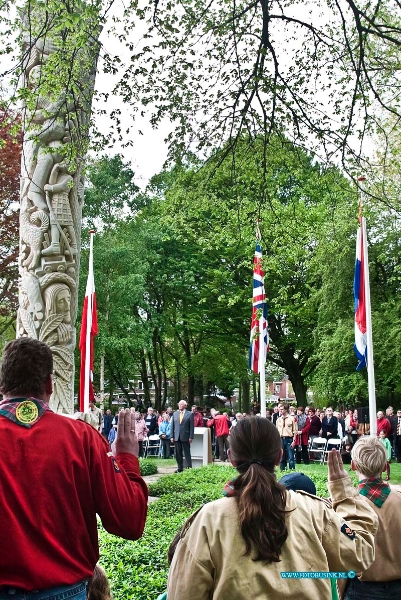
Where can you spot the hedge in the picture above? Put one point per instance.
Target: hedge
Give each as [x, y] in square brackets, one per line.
[148, 467]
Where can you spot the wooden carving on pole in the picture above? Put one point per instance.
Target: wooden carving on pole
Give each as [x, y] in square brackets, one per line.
[58, 82]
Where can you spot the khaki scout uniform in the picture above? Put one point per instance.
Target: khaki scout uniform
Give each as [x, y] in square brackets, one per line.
[210, 561]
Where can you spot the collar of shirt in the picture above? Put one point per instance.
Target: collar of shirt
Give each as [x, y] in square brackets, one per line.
[375, 490]
[8, 409]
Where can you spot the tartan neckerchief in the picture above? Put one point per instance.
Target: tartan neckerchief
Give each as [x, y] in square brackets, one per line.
[229, 490]
[375, 490]
[8, 409]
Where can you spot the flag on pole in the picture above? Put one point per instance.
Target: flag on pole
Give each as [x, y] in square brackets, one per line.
[86, 340]
[259, 344]
[360, 345]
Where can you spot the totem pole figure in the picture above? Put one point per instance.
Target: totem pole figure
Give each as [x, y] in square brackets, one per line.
[55, 137]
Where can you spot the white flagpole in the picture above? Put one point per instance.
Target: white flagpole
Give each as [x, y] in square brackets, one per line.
[369, 337]
[88, 326]
[262, 349]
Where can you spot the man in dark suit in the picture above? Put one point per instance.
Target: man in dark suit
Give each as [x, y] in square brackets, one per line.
[182, 434]
[329, 425]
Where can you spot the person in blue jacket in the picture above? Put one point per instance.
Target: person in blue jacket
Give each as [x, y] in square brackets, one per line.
[165, 435]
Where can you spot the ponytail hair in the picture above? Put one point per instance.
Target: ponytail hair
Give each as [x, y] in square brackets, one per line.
[255, 445]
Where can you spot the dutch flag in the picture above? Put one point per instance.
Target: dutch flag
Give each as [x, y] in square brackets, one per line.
[360, 345]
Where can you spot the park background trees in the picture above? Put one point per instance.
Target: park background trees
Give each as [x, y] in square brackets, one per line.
[235, 80]
[174, 276]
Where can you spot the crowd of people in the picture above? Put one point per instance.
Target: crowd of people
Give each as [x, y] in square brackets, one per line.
[298, 427]
[59, 474]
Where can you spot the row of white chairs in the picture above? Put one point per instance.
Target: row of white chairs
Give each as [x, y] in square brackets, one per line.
[320, 447]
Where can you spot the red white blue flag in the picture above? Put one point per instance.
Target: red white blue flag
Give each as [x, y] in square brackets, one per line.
[259, 344]
[360, 345]
[89, 329]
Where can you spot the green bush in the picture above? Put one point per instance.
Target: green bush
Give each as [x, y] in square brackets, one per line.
[147, 467]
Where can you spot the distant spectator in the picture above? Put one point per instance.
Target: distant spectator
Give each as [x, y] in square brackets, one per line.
[315, 424]
[398, 437]
[346, 454]
[302, 438]
[165, 435]
[198, 418]
[107, 423]
[140, 430]
[382, 424]
[222, 427]
[151, 422]
[386, 443]
[329, 424]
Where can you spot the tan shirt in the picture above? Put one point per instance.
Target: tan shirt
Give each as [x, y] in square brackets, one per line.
[210, 561]
[387, 565]
[287, 426]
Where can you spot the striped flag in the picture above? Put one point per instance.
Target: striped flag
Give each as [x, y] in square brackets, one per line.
[259, 344]
[360, 345]
[86, 340]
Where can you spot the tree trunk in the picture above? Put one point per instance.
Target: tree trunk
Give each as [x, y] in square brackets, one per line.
[158, 373]
[246, 388]
[55, 143]
[191, 389]
[145, 380]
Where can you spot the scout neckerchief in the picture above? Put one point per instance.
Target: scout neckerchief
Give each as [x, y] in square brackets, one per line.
[23, 411]
[375, 490]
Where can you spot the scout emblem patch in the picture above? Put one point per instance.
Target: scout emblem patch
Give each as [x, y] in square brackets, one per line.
[27, 412]
[23, 411]
[348, 531]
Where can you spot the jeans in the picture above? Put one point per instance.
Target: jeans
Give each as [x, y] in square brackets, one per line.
[373, 590]
[286, 445]
[65, 592]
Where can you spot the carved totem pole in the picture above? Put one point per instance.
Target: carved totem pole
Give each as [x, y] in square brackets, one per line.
[55, 137]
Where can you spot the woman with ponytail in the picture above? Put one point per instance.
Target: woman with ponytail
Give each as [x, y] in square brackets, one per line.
[239, 547]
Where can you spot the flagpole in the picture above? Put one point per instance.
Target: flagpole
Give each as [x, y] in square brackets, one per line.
[262, 349]
[88, 329]
[369, 337]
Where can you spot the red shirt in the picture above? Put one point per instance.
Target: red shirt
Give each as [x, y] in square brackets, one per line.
[220, 423]
[198, 419]
[55, 477]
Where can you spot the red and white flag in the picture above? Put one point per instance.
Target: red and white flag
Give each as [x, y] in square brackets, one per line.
[86, 340]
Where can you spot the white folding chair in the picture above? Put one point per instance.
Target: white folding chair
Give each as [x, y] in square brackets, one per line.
[317, 449]
[332, 443]
[153, 445]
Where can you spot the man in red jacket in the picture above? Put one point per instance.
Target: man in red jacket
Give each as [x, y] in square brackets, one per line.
[56, 475]
[222, 427]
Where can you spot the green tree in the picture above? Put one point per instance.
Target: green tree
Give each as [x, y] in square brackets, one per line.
[215, 209]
